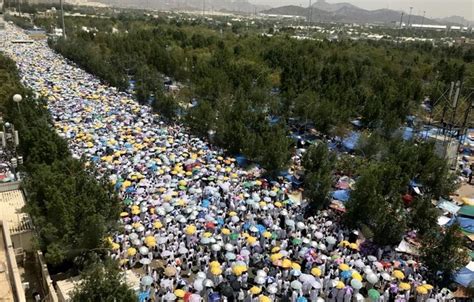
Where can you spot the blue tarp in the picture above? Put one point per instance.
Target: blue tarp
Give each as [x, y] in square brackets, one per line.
[341, 195]
[464, 276]
[467, 224]
[351, 141]
[407, 133]
[241, 160]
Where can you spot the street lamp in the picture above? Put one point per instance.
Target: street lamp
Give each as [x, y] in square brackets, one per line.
[17, 98]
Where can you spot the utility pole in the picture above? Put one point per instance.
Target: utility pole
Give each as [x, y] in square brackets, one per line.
[409, 17]
[310, 12]
[203, 7]
[62, 18]
[400, 29]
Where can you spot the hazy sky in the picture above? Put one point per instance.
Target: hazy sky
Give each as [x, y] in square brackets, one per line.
[433, 8]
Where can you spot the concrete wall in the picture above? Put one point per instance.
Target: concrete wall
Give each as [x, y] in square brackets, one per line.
[12, 265]
[48, 287]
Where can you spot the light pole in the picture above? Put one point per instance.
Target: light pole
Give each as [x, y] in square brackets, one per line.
[17, 98]
[62, 18]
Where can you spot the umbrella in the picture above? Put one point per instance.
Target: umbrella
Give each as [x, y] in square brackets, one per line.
[170, 271]
[208, 283]
[198, 284]
[230, 256]
[145, 261]
[373, 294]
[386, 276]
[346, 274]
[296, 285]
[169, 297]
[356, 284]
[404, 286]
[179, 293]
[372, 278]
[194, 298]
[422, 290]
[131, 251]
[318, 235]
[339, 285]
[260, 280]
[316, 271]
[263, 298]
[147, 281]
[301, 299]
[255, 290]
[344, 267]
[359, 263]
[272, 289]
[371, 258]
[143, 250]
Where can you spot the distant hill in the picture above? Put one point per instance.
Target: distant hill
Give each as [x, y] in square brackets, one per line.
[456, 20]
[348, 13]
[331, 7]
[292, 10]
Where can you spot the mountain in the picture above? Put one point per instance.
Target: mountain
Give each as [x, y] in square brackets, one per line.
[456, 20]
[348, 13]
[292, 10]
[331, 7]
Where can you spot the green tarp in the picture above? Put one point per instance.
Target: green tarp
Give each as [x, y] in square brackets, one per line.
[467, 211]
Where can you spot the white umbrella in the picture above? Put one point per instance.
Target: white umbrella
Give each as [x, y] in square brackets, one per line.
[261, 273]
[146, 281]
[169, 297]
[328, 223]
[260, 280]
[290, 222]
[182, 250]
[235, 219]
[330, 240]
[198, 284]
[359, 263]
[386, 276]
[133, 236]
[245, 253]
[201, 275]
[166, 253]
[300, 225]
[272, 289]
[372, 258]
[228, 247]
[215, 247]
[194, 298]
[208, 283]
[143, 250]
[316, 284]
[145, 261]
[306, 278]
[318, 235]
[296, 285]
[230, 256]
[372, 278]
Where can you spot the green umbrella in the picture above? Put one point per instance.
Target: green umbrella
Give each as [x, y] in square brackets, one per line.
[274, 235]
[247, 184]
[296, 241]
[128, 201]
[182, 188]
[374, 294]
[234, 236]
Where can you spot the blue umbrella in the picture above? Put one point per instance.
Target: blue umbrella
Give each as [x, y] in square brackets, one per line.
[346, 274]
[205, 203]
[214, 297]
[301, 299]
[143, 296]
[261, 228]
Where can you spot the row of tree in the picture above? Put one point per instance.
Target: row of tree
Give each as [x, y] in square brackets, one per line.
[71, 210]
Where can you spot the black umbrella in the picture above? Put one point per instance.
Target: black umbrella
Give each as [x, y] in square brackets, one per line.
[226, 290]
[236, 285]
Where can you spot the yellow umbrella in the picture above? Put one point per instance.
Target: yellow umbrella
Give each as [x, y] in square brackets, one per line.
[353, 246]
[225, 231]
[232, 213]
[278, 204]
[344, 267]
[239, 269]
[316, 271]
[263, 298]
[275, 249]
[286, 263]
[131, 251]
[135, 210]
[255, 290]
[340, 285]
[267, 234]
[344, 243]
[179, 293]
[216, 271]
[150, 241]
[190, 229]
[398, 274]
[251, 240]
[123, 214]
[428, 286]
[157, 225]
[214, 264]
[357, 276]
[422, 290]
[276, 257]
[207, 235]
[404, 286]
[115, 246]
[295, 266]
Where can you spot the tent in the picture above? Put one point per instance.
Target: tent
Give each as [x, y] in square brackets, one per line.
[341, 195]
[350, 142]
[464, 276]
[467, 211]
[448, 206]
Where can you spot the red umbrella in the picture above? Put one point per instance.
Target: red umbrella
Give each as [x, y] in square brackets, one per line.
[407, 199]
[210, 225]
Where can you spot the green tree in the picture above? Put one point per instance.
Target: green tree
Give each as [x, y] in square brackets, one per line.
[444, 252]
[103, 281]
[318, 163]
